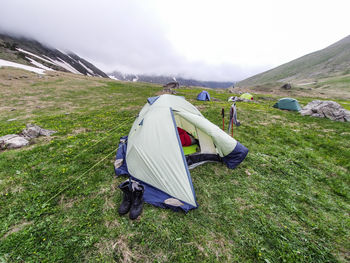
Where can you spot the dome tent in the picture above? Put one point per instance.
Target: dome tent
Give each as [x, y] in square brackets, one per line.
[204, 95]
[153, 154]
[287, 104]
[247, 96]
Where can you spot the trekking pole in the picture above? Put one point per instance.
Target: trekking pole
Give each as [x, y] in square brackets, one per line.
[232, 128]
[231, 120]
[223, 118]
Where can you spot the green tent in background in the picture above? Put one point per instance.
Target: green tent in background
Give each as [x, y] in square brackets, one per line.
[287, 104]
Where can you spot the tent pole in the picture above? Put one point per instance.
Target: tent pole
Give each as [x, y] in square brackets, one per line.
[223, 118]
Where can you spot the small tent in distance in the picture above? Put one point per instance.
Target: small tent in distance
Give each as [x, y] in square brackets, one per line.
[287, 104]
[247, 96]
[203, 96]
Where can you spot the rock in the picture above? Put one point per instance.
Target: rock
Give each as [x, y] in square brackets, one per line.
[231, 90]
[172, 85]
[286, 86]
[31, 131]
[7, 137]
[169, 90]
[326, 109]
[45, 132]
[34, 131]
[12, 141]
[12, 119]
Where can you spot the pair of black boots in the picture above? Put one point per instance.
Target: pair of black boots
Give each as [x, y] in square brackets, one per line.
[132, 199]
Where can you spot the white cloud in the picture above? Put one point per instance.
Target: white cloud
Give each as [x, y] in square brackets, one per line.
[212, 40]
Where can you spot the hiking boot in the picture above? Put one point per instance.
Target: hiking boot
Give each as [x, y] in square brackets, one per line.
[127, 195]
[137, 201]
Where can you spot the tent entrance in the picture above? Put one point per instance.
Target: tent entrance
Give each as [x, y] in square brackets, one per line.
[206, 145]
[204, 152]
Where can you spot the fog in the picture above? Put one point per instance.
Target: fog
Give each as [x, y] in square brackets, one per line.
[207, 40]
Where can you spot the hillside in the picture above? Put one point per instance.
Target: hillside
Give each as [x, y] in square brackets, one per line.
[287, 202]
[33, 53]
[331, 62]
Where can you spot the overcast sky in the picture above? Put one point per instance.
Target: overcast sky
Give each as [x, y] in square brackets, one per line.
[224, 40]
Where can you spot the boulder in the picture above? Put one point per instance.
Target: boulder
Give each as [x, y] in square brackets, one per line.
[12, 141]
[172, 85]
[230, 90]
[326, 109]
[33, 131]
[286, 86]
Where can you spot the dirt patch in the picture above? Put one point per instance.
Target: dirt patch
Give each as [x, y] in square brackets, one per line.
[79, 130]
[235, 182]
[128, 108]
[105, 247]
[201, 107]
[122, 251]
[108, 204]
[276, 117]
[199, 247]
[17, 228]
[264, 123]
[164, 215]
[66, 203]
[219, 246]
[112, 224]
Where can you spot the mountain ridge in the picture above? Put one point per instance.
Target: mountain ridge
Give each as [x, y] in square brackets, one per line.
[331, 61]
[166, 79]
[31, 52]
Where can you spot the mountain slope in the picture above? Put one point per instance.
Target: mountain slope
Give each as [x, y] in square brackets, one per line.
[31, 52]
[331, 61]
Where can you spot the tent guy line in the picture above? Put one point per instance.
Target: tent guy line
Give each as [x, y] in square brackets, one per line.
[78, 178]
[115, 128]
[91, 146]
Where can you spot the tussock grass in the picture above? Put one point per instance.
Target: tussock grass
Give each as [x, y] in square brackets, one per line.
[287, 202]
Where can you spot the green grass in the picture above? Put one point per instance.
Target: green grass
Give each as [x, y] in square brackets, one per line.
[287, 202]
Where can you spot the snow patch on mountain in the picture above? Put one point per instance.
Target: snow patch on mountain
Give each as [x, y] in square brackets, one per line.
[36, 56]
[46, 57]
[112, 77]
[5, 63]
[37, 64]
[89, 70]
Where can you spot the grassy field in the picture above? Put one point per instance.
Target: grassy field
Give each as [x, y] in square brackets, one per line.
[334, 87]
[287, 202]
